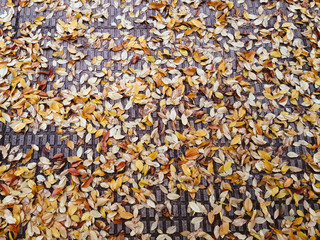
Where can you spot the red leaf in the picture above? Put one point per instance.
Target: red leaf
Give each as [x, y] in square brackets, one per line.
[105, 136]
[88, 182]
[58, 155]
[120, 236]
[121, 165]
[43, 84]
[74, 171]
[50, 71]
[76, 164]
[56, 191]
[103, 142]
[5, 188]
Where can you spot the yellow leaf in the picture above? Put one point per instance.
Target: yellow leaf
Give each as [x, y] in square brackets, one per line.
[39, 19]
[236, 140]
[268, 166]
[300, 213]
[187, 33]
[172, 169]
[21, 80]
[296, 199]
[74, 24]
[118, 183]
[55, 232]
[201, 133]
[303, 236]
[284, 169]
[180, 136]
[139, 165]
[70, 144]
[162, 102]
[184, 52]
[186, 170]
[268, 96]
[275, 190]
[230, 4]
[227, 165]
[219, 95]
[153, 155]
[20, 171]
[197, 23]
[19, 127]
[139, 147]
[86, 216]
[72, 209]
[3, 168]
[151, 59]
[246, 15]
[281, 195]
[264, 208]
[55, 106]
[264, 155]
[99, 133]
[276, 54]
[287, 24]
[75, 218]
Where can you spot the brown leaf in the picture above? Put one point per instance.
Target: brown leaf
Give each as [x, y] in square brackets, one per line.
[135, 58]
[103, 143]
[43, 84]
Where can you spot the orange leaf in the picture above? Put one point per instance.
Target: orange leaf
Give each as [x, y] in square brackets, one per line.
[126, 215]
[190, 71]
[192, 153]
[211, 217]
[70, 144]
[117, 48]
[155, 5]
[288, 182]
[224, 229]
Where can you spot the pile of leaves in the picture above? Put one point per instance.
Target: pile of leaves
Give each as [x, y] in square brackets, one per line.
[133, 116]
